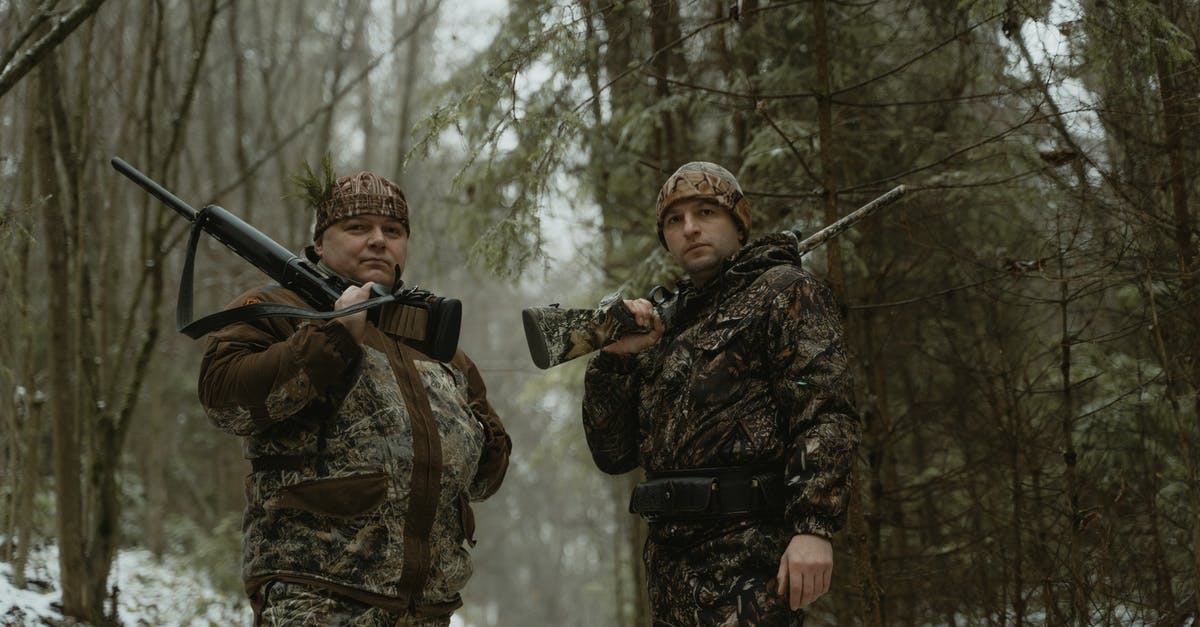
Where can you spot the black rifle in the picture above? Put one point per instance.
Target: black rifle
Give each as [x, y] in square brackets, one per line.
[431, 322]
[556, 335]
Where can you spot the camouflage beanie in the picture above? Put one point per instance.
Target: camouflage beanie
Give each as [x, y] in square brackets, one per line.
[707, 181]
[358, 194]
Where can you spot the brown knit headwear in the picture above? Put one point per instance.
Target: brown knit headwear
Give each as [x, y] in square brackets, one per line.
[708, 181]
[358, 194]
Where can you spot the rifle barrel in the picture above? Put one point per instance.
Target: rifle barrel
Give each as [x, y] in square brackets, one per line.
[850, 219]
[156, 190]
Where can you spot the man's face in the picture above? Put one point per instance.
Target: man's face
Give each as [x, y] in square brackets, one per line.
[700, 235]
[364, 248]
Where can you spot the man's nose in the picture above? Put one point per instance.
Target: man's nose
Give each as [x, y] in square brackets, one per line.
[690, 225]
[375, 237]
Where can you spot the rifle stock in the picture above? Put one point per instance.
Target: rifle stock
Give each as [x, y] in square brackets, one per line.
[431, 322]
[556, 335]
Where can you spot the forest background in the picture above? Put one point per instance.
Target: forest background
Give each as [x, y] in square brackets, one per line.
[1024, 324]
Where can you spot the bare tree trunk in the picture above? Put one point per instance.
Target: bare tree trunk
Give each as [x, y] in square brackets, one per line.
[26, 408]
[23, 424]
[240, 123]
[28, 435]
[62, 348]
[865, 559]
[334, 74]
[663, 30]
[360, 47]
[408, 85]
[1178, 82]
[1016, 523]
[1077, 584]
[28, 481]
[876, 446]
[829, 183]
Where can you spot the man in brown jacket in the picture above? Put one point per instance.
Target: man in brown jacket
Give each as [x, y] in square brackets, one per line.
[739, 412]
[365, 451]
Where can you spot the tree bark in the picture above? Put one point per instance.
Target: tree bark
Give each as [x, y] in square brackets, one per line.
[1178, 81]
[662, 20]
[62, 348]
[829, 183]
[26, 409]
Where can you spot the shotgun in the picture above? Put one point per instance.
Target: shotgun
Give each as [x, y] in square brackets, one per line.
[557, 335]
[431, 323]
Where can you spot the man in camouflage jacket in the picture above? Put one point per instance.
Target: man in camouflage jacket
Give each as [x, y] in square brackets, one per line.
[365, 451]
[745, 394]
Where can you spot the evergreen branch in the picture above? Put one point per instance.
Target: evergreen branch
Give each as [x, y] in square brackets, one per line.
[316, 189]
[650, 59]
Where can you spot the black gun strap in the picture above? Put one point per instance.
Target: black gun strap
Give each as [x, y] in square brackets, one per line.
[212, 322]
[183, 305]
[220, 319]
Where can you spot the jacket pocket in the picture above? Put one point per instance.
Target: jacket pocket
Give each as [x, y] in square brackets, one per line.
[726, 362]
[340, 497]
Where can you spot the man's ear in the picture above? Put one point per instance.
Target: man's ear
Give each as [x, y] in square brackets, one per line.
[317, 246]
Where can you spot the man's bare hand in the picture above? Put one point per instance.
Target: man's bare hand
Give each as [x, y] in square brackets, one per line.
[645, 317]
[805, 570]
[355, 323]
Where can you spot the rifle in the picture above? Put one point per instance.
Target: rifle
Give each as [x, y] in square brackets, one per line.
[556, 335]
[431, 322]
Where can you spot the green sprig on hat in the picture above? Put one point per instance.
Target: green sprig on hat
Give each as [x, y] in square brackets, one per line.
[317, 190]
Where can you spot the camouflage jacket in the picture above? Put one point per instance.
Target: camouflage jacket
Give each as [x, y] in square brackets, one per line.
[364, 456]
[751, 372]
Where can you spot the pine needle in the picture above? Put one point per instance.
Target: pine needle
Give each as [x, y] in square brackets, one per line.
[316, 189]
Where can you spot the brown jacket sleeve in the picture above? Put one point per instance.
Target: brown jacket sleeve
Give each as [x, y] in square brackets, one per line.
[497, 446]
[259, 372]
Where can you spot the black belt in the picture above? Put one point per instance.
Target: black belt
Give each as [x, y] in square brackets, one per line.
[709, 493]
[277, 462]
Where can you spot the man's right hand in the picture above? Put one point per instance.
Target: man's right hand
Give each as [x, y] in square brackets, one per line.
[355, 323]
[644, 315]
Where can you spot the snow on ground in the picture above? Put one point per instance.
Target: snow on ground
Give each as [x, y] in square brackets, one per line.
[150, 593]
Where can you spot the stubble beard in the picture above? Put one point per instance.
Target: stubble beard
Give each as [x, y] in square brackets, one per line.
[703, 269]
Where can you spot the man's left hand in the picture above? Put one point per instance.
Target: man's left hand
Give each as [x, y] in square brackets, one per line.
[805, 570]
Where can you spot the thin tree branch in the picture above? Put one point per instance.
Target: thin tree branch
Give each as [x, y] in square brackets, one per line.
[40, 16]
[333, 100]
[761, 109]
[12, 74]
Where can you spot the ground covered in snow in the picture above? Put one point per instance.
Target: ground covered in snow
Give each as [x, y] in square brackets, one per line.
[150, 593]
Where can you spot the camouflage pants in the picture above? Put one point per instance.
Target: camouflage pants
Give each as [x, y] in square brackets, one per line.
[297, 605]
[717, 580]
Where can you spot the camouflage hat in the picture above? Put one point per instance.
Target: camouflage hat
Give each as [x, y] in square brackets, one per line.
[358, 194]
[709, 181]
